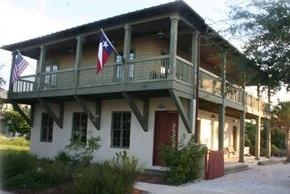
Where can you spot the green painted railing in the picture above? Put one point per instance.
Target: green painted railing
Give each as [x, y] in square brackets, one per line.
[141, 70]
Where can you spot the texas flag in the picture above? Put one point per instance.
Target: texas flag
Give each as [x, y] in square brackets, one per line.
[105, 49]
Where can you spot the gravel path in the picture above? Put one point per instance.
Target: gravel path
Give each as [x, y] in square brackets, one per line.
[269, 179]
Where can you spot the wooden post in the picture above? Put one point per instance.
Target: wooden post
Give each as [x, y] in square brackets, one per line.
[222, 109]
[40, 66]
[258, 138]
[126, 50]
[242, 125]
[193, 113]
[11, 72]
[268, 128]
[78, 58]
[173, 45]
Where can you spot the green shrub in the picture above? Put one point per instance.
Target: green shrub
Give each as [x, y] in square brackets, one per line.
[116, 177]
[22, 170]
[183, 160]
[14, 163]
[275, 151]
[82, 152]
[63, 157]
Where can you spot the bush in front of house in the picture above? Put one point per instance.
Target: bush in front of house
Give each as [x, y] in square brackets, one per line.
[14, 163]
[275, 151]
[116, 177]
[22, 170]
[82, 152]
[183, 161]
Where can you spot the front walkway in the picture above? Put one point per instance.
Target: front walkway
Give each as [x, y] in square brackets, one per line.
[266, 179]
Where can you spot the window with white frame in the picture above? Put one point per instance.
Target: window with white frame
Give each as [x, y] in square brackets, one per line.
[121, 124]
[119, 72]
[79, 128]
[46, 133]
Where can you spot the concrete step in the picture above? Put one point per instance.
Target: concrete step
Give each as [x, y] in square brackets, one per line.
[270, 161]
[235, 168]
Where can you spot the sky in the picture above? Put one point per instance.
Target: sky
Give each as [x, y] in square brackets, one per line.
[26, 19]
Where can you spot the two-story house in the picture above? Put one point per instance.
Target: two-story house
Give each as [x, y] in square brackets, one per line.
[174, 76]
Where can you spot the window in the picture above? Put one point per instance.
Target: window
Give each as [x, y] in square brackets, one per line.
[119, 72]
[79, 129]
[121, 122]
[46, 128]
[50, 77]
[119, 68]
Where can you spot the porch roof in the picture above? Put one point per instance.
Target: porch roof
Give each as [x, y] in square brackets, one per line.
[179, 7]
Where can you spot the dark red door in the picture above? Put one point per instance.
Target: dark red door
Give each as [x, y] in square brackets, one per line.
[166, 125]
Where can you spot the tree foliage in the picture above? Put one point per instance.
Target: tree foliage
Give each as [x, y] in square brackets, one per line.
[16, 123]
[265, 26]
[281, 119]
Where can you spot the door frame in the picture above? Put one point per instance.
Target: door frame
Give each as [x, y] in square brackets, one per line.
[154, 133]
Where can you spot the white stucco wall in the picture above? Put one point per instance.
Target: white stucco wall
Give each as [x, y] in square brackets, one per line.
[141, 143]
[209, 130]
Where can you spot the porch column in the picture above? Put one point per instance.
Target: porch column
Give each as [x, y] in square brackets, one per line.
[126, 50]
[258, 138]
[268, 128]
[40, 66]
[222, 109]
[11, 71]
[78, 58]
[173, 45]
[194, 102]
[242, 126]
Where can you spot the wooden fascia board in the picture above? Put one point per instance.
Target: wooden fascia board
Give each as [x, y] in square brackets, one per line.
[143, 119]
[58, 119]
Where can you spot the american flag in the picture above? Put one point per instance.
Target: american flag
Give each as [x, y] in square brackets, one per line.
[19, 66]
[105, 49]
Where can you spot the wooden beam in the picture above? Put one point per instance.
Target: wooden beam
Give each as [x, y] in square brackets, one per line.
[143, 119]
[11, 72]
[59, 119]
[23, 115]
[94, 119]
[173, 45]
[184, 116]
[40, 67]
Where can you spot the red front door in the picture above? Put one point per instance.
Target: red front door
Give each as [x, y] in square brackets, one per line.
[166, 125]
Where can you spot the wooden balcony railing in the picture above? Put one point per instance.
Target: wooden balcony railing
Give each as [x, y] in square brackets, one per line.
[144, 70]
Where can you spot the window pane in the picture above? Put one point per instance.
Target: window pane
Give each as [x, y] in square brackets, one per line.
[46, 128]
[116, 138]
[121, 129]
[79, 129]
[126, 138]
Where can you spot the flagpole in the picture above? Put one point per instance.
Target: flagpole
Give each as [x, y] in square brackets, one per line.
[109, 41]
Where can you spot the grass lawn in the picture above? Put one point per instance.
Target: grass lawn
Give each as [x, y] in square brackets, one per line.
[14, 143]
[14, 147]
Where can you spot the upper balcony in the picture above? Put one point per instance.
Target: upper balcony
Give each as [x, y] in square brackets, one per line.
[168, 44]
[152, 74]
